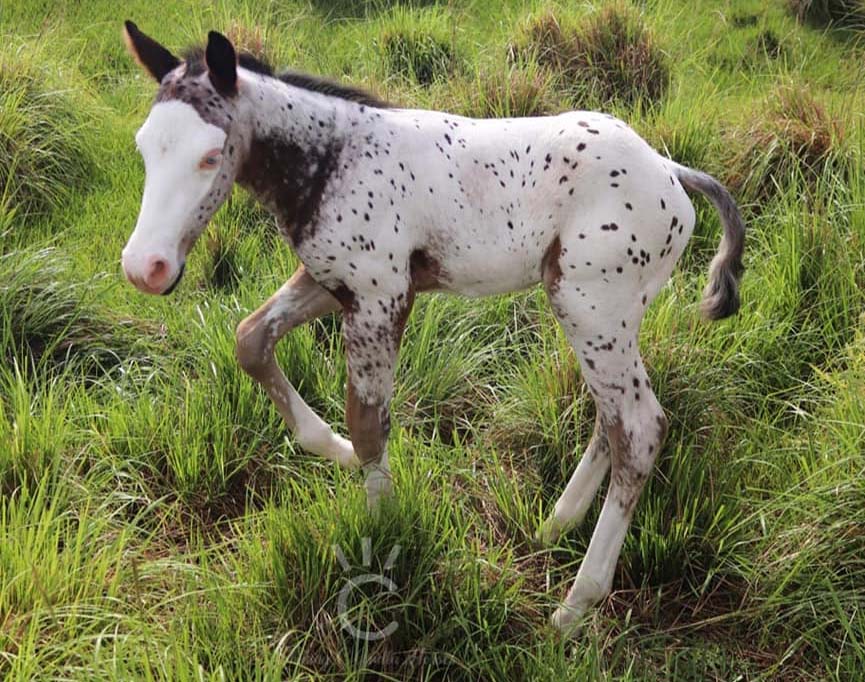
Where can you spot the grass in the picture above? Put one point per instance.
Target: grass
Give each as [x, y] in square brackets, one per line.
[42, 156]
[609, 56]
[848, 13]
[418, 47]
[515, 91]
[158, 523]
[795, 136]
[51, 322]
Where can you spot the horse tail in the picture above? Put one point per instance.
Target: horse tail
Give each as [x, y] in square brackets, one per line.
[721, 295]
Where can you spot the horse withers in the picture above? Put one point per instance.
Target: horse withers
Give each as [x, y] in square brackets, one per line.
[381, 203]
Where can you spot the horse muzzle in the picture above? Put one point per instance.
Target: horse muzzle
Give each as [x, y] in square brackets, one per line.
[154, 275]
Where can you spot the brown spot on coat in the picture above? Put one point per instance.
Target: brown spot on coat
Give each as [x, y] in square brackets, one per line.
[551, 269]
[426, 271]
[346, 298]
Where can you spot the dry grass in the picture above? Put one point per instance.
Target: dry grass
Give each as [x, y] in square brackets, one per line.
[612, 57]
[249, 39]
[794, 135]
[848, 13]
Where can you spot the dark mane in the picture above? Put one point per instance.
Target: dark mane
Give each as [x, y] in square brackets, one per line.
[332, 88]
[194, 59]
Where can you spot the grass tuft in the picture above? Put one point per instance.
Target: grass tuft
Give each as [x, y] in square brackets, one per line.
[222, 269]
[43, 156]
[418, 48]
[516, 92]
[847, 13]
[612, 57]
[795, 136]
[49, 322]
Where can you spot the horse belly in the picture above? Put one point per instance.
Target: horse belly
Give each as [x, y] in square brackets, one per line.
[487, 270]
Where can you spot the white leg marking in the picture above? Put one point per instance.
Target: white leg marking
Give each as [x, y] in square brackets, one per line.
[314, 434]
[595, 577]
[379, 482]
[574, 502]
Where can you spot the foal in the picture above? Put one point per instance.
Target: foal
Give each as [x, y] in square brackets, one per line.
[381, 204]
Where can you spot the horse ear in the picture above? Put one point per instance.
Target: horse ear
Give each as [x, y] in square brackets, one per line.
[156, 60]
[221, 61]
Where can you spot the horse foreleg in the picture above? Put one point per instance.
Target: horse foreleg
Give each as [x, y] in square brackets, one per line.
[299, 300]
[373, 331]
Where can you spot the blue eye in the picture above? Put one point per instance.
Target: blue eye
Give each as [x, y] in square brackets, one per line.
[211, 159]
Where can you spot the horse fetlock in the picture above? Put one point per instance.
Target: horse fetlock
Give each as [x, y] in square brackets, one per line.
[379, 483]
[317, 436]
[550, 531]
[585, 593]
[342, 452]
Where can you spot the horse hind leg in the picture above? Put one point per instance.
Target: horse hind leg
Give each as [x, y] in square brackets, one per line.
[629, 413]
[636, 428]
[571, 507]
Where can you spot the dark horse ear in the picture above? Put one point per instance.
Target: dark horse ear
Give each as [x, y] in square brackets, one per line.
[151, 55]
[221, 63]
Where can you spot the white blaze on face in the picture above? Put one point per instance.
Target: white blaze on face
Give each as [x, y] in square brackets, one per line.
[182, 156]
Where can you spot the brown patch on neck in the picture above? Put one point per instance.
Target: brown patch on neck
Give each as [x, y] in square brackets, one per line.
[290, 180]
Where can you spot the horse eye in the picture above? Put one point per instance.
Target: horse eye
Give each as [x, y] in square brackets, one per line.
[209, 160]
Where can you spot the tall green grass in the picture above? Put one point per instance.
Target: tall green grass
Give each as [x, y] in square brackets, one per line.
[42, 157]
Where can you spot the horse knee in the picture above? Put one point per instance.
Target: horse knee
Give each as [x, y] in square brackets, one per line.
[251, 348]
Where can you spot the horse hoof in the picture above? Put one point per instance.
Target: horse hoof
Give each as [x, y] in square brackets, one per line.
[549, 532]
[566, 619]
[344, 453]
[379, 486]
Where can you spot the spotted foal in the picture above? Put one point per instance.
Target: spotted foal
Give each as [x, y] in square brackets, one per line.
[381, 204]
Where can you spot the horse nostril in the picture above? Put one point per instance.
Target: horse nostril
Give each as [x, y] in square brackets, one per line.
[157, 273]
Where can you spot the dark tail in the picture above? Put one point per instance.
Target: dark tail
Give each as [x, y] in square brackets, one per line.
[721, 295]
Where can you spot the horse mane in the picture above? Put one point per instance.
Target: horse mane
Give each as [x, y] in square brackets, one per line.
[194, 58]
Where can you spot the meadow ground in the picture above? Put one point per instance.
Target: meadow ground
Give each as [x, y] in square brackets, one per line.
[157, 523]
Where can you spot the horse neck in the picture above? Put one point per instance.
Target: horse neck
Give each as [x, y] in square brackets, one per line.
[275, 107]
[294, 140]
